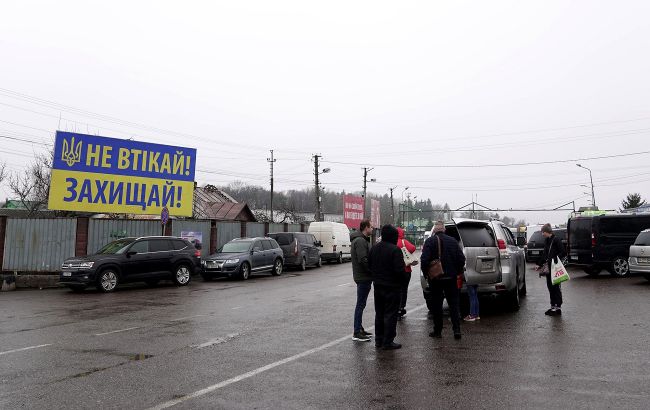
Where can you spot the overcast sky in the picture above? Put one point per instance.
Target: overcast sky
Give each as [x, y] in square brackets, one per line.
[380, 83]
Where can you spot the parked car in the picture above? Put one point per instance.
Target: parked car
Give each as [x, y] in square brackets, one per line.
[300, 249]
[603, 241]
[146, 259]
[334, 238]
[244, 257]
[535, 246]
[640, 254]
[494, 262]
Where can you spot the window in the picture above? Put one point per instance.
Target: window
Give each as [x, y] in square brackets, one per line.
[643, 239]
[560, 233]
[160, 245]
[140, 247]
[274, 244]
[257, 246]
[537, 237]
[305, 239]
[476, 235]
[283, 238]
[510, 240]
[115, 247]
[179, 244]
[237, 247]
[267, 245]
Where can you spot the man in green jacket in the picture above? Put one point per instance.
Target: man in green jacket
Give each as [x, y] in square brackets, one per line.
[362, 277]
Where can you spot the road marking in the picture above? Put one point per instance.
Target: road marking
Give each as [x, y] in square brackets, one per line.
[257, 371]
[186, 317]
[117, 331]
[343, 284]
[236, 307]
[217, 341]
[24, 348]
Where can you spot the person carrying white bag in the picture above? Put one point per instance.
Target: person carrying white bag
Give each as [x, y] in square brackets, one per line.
[551, 266]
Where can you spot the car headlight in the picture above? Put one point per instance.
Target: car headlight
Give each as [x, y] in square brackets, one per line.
[230, 261]
[86, 265]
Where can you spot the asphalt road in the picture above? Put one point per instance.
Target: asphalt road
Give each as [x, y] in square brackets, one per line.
[284, 343]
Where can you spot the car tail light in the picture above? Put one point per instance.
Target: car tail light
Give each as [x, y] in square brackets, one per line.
[197, 253]
[334, 248]
[593, 240]
[295, 248]
[502, 244]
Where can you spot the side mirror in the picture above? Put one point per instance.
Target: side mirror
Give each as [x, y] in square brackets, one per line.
[521, 241]
[131, 253]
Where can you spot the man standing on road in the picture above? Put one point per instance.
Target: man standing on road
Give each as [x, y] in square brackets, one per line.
[386, 263]
[453, 263]
[361, 273]
[553, 249]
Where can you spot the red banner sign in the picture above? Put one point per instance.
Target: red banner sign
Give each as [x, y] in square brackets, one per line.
[352, 211]
[375, 208]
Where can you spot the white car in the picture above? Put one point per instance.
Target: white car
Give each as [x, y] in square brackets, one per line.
[334, 238]
[639, 261]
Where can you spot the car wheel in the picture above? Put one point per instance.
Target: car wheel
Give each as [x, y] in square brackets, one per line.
[182, 275]
[244, 271]
[277, 268]
[620, 266]
[320, 262]
[303, 264]
[592, 271]
[77, 288]
[152, 282]
[108, 280]
[514, 300]
[340, 258]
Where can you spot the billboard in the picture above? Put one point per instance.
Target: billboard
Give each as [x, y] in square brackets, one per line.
[352, 211]
[375, 210]
[99, 174]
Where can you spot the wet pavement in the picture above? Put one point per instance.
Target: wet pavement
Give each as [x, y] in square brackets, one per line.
[284, 343]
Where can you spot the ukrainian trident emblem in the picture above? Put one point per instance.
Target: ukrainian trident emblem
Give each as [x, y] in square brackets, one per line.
[71, 154]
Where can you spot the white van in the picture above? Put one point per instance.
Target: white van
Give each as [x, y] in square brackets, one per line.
[335, 240]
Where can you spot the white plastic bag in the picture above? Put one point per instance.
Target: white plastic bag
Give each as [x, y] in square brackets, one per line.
[559, 273]
[408, 257]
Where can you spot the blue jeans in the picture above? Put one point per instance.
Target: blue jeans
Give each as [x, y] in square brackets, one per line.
[472, 291]
[363, 290]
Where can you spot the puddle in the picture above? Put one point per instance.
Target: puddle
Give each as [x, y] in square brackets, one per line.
[140, 356]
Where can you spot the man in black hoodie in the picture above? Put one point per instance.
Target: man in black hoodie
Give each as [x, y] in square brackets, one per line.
[360, 246]
[386, 264]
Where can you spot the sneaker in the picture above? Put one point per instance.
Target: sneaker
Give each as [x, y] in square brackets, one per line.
[469, 318]
[549, 312]
[363, 331]
[360, 337]
[477, 318]
[392, 346]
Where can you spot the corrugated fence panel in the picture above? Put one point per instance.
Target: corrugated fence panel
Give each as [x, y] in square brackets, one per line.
[227, 231]
[254, 229]
[38, 245]
[294, 227]
[103, 231]
[276, 228]
[182, 225]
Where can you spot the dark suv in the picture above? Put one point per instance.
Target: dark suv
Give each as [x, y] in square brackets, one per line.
[242, 257]
[537, 242]
[300, 249]
[147, 259]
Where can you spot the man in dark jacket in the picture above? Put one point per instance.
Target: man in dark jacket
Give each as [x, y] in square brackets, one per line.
[553, 249]
[453, 264]
[361, 273]
[386, 263]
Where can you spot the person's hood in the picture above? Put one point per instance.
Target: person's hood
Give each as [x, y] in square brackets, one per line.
[389, 234]
[400, 233]
[356, 234]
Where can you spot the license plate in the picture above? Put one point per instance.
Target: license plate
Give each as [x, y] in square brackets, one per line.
[574, 258]
[488, 266]
[534, 252]
[67, 273]
[644, 260]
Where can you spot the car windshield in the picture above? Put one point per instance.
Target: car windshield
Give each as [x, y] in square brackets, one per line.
[643, 239]
[537, 237]
[236, 247]
[115, 247]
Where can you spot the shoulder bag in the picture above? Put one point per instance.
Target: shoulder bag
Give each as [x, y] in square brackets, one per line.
[408, 257]
[435, 270]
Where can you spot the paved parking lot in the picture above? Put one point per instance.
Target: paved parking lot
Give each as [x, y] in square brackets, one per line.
[284, 342]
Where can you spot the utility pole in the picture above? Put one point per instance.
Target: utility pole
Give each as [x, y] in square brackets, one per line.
[271, 161]
[365, 186]
[317, 215]
[408, 205]
[392, 206]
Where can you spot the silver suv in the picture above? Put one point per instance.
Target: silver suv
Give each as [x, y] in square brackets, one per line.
[494, 262]
[639, 261]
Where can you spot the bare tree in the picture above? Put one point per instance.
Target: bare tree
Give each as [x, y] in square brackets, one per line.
[32, 186]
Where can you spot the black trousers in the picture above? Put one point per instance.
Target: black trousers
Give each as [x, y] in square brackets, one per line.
[554, 291]
[386, 308]
[404, 292]
[441, 289]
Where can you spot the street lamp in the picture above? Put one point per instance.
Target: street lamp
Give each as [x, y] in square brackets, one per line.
[402, 205]
[593, 196]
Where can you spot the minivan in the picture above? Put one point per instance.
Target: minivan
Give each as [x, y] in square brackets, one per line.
[603, 241]
[640, 254]
[300, 249]
[494, 262]
[334, 238]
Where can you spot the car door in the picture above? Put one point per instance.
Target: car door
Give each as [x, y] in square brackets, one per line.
[269, 254]
[481, 252]
[161, 251]
[258, 256]
[312, 249]
[512, 251]
[136, 262]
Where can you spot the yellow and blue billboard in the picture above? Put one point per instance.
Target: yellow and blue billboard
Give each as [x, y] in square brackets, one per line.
[110, 175]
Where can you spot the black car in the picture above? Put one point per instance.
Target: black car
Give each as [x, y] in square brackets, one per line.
[535, 246]
[300, 249]
[242, 257]
[603, 242]
[147, 259]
